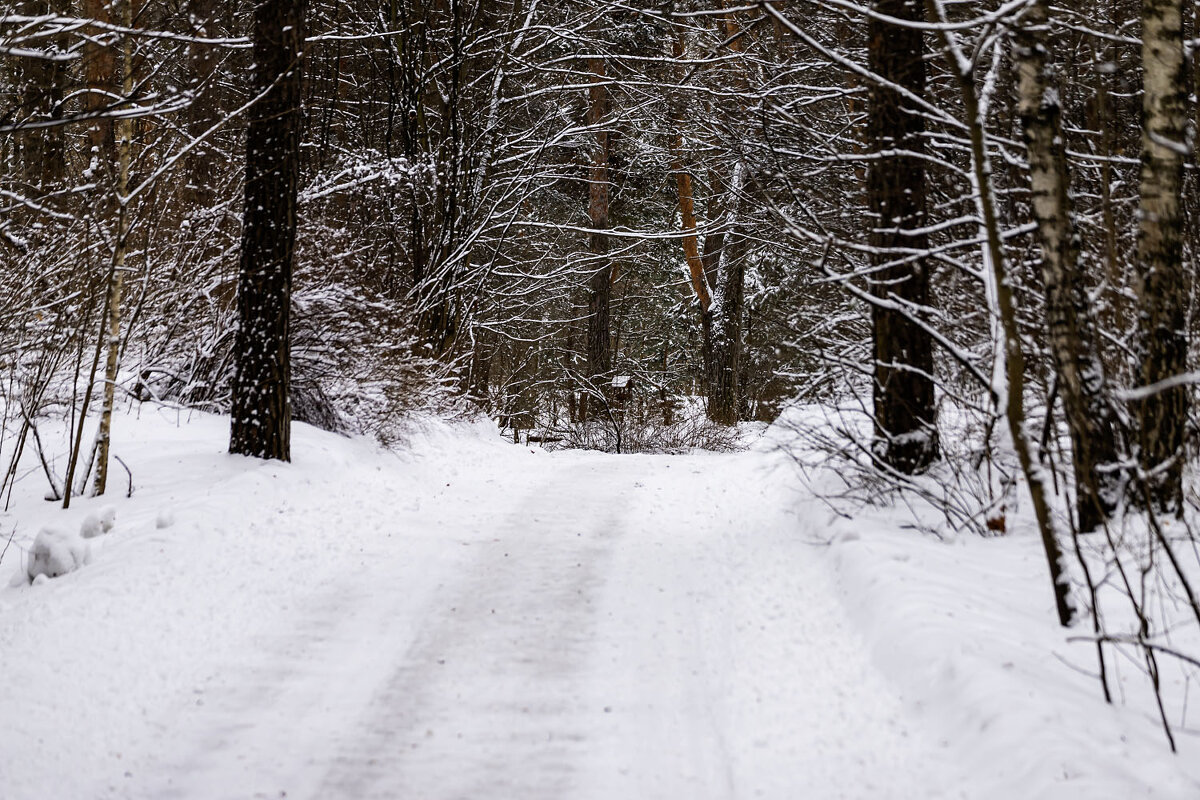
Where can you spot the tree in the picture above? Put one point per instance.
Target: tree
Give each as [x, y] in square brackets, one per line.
[39, 82]
[201, 112]
[1069, 319]
[261, 413]
[116, 277]
[729, 291]
[1161, 283]
[905, 410]
[727, 304]
[683, 190]
[599, 349]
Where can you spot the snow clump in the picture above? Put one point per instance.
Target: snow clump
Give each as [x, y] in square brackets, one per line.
[56, 552]
[100, 523]
[90, 527]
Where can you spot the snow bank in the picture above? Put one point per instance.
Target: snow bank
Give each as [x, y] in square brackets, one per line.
[967, 630]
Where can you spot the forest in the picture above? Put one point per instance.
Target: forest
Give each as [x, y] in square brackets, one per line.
[948, 246]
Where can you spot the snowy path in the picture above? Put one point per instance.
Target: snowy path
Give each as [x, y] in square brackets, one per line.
[609, 636]
[483, 624]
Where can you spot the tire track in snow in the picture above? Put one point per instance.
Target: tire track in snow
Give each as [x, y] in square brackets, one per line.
[488, 701]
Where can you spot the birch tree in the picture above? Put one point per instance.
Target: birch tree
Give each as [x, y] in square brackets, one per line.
[116, 278]
[1161, 408]
[1069, 318]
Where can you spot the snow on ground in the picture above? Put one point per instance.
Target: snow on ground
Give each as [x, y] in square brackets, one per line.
[471, 619]
[967, 631]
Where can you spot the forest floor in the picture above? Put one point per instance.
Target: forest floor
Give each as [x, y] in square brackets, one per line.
[473, 619]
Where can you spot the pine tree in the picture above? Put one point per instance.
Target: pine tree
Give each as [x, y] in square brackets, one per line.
[261, 424]
[905, 414]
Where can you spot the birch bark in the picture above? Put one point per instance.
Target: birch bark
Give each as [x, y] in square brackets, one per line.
[1161, 283]
[1069, 319]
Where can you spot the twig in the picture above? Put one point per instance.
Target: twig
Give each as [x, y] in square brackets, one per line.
[9, 542]
[50, 476]
[128, 472]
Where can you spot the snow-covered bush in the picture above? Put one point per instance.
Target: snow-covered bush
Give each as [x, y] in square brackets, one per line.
[644, 430]
[358, 364]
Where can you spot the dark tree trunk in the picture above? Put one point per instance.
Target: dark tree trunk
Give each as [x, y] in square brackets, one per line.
[202, 113]
[261, 405]
[729, 262]
[724, 395]
[725, 334]
[599, 348]
[905, 413]
[477, 380]
[100, 70]
[41, 84]
[1161, 282]
[714, 244]
[1072, 329]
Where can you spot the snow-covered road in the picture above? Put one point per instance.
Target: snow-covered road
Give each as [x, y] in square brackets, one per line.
[638, 627]
[474, 620]
[514, 625]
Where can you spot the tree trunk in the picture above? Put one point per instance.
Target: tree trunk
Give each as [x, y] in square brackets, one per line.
[728, 300]
[116, 280]
[599, 350]
[1011, 397]
[1072, 328]
[261, 424]
[201, 114]
[905, 411]
[100, 69]
[1161, 283]
[40, 84]
[683, 190]
[702, 269]
[725, 331]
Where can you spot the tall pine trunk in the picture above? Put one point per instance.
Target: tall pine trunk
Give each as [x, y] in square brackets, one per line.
[599, 349]
[725, 334]
[905, 411]
[261, 424]
[40, 85]
[1072, 327]
[1161, 282]
[202, 112]
[724, 325]
[100, 69]
[686, 196]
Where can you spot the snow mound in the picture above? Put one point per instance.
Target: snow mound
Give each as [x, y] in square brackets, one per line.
[99, 523]
[56, 552]
[90, 528]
